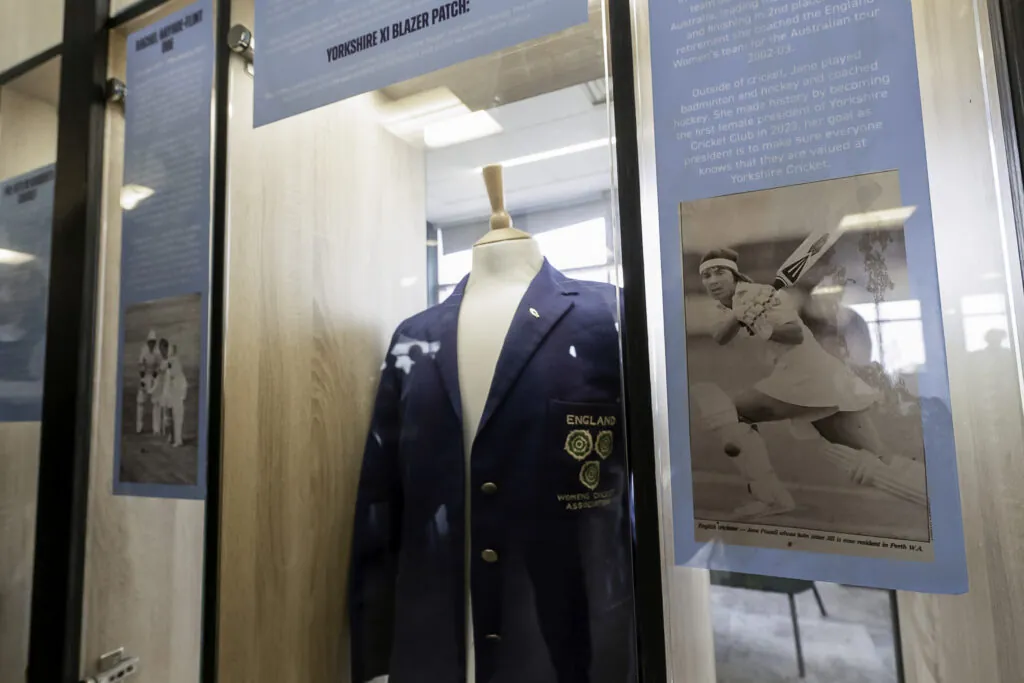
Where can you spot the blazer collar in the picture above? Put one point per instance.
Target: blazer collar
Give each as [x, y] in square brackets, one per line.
[548, 298]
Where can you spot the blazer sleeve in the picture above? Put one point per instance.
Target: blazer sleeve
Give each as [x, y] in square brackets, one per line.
[377, 533]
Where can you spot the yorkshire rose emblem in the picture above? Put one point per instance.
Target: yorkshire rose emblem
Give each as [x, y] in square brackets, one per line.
[579, 444]
[590, 474]
[604, 444]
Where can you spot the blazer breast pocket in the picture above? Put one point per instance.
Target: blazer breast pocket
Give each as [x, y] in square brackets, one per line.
[586, 443]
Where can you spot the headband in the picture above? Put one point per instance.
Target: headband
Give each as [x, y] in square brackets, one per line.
[719, 263]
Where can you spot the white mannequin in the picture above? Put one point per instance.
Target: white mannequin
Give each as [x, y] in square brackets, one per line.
[505, 262]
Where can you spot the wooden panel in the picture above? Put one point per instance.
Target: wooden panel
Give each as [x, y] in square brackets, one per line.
[28, 140]
[28, 133]
[19, 464]
[28, 27]
[976, 637]
[327, 254]
[690, 640]
[144, 557]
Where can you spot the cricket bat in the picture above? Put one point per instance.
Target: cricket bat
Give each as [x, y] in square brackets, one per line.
[805, 256]
[820, 241]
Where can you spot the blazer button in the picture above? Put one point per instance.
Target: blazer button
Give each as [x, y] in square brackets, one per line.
[489, 488]
[489, 556]
[493, 637]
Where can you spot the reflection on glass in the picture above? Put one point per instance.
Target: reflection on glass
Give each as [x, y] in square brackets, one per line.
[896, 333]
[771, 630]
[132, 195]
[986, 324]
[601, 143]
[28, 142]
[580, 250]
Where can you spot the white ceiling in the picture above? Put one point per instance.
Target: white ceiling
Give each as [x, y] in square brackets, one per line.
[455, 190]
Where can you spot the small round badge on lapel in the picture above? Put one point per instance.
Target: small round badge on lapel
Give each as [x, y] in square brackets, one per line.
[579, 444]
[604, 444]
[534, 313]
[590, 474]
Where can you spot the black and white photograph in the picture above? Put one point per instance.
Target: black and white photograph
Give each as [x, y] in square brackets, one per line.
[803, 345]
[160, 360]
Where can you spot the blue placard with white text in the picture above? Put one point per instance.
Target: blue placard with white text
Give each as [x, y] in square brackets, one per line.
[313, 53]
[161, 444]
[26, 217]
[809, 415]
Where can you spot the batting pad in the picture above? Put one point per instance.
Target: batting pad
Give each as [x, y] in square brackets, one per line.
[715, 407]
[900, 477]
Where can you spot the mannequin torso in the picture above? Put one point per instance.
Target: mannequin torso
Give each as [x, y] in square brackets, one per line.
[500, 276]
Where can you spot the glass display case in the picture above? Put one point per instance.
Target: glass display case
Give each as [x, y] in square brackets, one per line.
[527, 340]
[427, 274]
[28, 150]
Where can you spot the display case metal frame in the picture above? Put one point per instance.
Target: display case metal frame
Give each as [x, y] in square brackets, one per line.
[1007, 17]
[647, 562]
[61, 522]
[56, 629]
[56, 618]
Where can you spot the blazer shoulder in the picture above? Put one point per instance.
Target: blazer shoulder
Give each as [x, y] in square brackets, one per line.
[595, 295]
[422, 324]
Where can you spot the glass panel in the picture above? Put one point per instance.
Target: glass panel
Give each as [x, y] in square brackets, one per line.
[28, 149]
[976, 237]
[463, 464]
[118, 6]
[770, 630]
[28, 28]
[144, 551]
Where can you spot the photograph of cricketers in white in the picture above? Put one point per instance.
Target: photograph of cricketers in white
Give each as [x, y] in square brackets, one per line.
[174, 391]
[163, 343]
[150, 361]
[806, 384]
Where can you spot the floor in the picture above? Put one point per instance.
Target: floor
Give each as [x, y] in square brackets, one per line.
[754, 636]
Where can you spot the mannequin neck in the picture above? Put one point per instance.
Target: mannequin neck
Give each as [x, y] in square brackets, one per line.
[505, 262]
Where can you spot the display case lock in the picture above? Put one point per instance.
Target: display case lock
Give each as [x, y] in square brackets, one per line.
[116, 91]
[114, 667]
[242, 43]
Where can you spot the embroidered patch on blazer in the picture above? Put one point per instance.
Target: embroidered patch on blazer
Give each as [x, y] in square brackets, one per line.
[588, 435]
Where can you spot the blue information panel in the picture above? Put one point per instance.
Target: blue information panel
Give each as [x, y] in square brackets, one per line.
[165, 259]
[26, 216]
[316, 52]
[810, 428]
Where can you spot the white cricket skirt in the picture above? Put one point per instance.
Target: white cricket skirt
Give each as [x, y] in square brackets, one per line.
[809, 376]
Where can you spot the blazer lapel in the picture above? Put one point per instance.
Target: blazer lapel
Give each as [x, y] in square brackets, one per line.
[546, 301]
[447, 357]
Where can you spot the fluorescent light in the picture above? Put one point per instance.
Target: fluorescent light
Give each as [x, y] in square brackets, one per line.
[873, 220]
[553, 153]
[133, 195]
[464, 128]
[408, 117]
[14, 258]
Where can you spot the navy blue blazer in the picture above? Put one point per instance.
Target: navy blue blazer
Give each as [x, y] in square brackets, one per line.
[550, 547]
